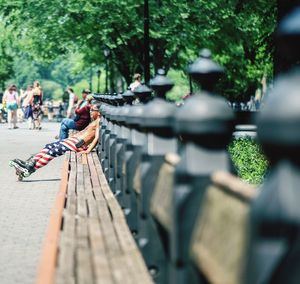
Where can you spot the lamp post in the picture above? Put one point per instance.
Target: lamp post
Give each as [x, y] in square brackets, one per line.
[98, 82]
[106, 54]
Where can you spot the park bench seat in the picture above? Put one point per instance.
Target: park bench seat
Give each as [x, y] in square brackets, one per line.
[95, 243]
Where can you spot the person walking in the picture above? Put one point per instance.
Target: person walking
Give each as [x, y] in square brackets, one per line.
[81, 120]
[83, 142]
[27, 106]
[37, 102]
[11, 101]
[50, 110]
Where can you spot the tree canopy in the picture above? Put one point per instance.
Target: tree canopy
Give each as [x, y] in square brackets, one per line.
[239, 33]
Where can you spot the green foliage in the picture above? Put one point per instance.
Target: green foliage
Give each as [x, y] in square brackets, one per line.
[78, 87]
[248, 159]
[181, 87]
[57, 95]
[6, 55]
[51, 89]
[25, 70]
[239, 33]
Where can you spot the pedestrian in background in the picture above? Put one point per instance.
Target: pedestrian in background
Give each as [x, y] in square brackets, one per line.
[11, 101]
[136, 81]
[50, 110]
[27, 106]
[37, 102]
[72, 101]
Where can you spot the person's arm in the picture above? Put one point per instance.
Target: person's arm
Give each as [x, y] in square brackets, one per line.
[18, 99]
[79, 103]
[30, 98]
[41, 97]
[82, 110]
[94, 142]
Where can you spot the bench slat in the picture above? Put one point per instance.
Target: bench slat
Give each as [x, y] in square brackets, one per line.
[127, 244]
[81, 202]
[84, 273]
[96, 245]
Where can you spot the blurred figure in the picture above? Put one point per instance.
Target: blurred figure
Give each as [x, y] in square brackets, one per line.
[11, 101]
[260, 92]
[251, 104]
[50, 110]
[136, 81]
[60, 112]
[81, 120]
[37, 102]
[20, 112]
[73, 99]
[27, 106]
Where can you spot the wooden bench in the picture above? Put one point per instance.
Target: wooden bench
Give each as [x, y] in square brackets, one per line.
[222, 230]
[94, 243]
[218, 247]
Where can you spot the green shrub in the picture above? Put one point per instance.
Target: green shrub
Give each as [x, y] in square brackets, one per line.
[250, 162]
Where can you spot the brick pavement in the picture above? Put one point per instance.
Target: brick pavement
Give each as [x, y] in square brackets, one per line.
[25, 206]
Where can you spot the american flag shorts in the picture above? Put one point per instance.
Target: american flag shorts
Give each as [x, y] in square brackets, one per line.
[58, 148]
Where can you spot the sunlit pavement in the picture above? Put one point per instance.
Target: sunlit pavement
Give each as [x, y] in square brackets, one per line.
[25, 206]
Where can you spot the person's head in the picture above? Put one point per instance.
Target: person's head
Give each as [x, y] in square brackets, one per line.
[70, 90]
[137, 77]
[29, 87]
[36, 84]
[85, 93]
[94, 111]
[12, 88]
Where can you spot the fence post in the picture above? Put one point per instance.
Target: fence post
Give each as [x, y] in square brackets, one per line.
[274, 247]
[205, 125]
[157, 124]
[133, 153]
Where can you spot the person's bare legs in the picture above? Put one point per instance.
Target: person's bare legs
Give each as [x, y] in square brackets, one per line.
[14, 118]
[9, 118]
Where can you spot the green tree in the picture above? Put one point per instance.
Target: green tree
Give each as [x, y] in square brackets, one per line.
[6, 56]
[238, 32]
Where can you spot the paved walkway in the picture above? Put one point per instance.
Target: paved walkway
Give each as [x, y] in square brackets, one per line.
[25, 207]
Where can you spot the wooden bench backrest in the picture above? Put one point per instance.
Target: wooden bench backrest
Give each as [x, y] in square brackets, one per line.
[221, 232]
[137, 180]
[162, 196]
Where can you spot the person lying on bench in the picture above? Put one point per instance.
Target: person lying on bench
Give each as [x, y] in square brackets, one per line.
[83, 142]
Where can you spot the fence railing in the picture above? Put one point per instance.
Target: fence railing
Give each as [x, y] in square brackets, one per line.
[194, 221]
